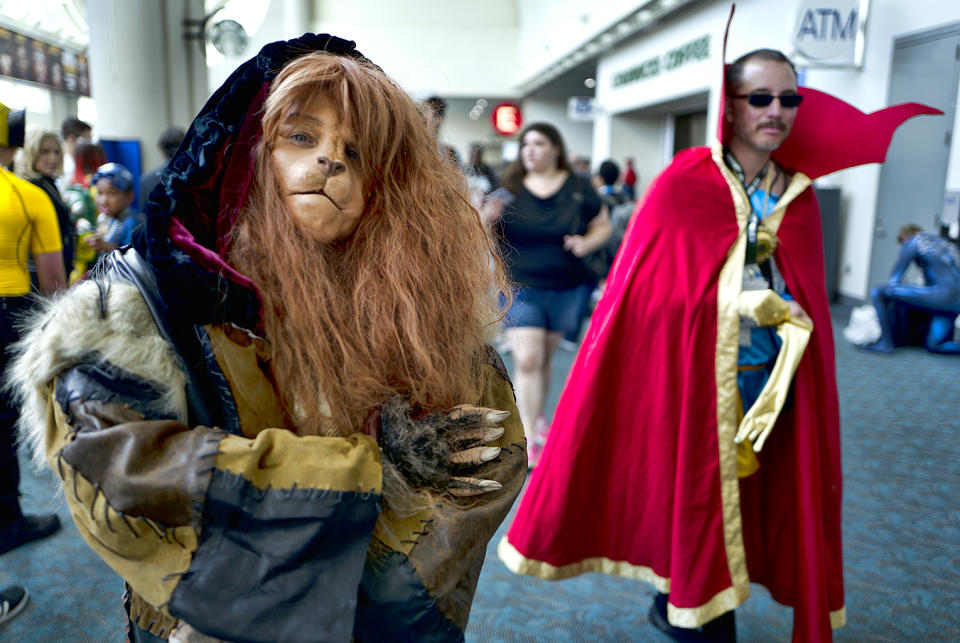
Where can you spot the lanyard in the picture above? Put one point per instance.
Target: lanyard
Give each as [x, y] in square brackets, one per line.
[737, 170]
[753, 222]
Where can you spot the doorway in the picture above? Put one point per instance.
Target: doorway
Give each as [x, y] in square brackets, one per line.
[926, 69]
[689, 130]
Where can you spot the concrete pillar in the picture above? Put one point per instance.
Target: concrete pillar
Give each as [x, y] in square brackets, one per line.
[62, 106]
[297, 17]
[144, 75]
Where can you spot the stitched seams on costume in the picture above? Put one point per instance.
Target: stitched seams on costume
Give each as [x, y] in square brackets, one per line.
[246, 531]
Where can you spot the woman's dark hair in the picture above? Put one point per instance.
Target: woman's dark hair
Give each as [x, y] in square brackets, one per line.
[735, 69]
[513, 175]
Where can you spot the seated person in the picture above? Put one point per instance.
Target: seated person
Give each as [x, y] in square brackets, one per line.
[939, 261]
[115, 227]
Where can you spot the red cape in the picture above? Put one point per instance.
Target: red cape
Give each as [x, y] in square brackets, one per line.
[631, 470]
[635, 478]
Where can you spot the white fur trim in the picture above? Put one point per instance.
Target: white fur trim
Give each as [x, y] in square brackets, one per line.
[70, 329]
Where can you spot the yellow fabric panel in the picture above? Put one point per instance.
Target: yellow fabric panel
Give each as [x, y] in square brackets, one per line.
[279, 458]
[398, 533]
[498, 394]
[150, 563]
[132, 548]
[56, 433]
[240, 357]
[28, 222]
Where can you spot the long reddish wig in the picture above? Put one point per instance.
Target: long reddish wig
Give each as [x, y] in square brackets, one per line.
[406, 303]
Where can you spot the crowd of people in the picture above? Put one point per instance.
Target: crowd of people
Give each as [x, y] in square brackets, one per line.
[272, 400]
[63, 206]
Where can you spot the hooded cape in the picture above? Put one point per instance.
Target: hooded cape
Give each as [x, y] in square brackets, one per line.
[148, 392]
[639, 476]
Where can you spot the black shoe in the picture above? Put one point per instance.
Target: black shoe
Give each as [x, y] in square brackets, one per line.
[27, 529]
[12, 600]
[722, 629]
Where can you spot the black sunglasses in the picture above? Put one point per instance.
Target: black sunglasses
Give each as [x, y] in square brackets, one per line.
[762, 100]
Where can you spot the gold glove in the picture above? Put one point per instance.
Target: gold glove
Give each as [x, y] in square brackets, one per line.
[759, 420]
[764, 307]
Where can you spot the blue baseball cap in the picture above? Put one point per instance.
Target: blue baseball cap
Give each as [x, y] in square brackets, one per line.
[116, 174]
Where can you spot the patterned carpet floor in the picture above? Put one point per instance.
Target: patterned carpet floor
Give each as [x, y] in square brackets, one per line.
[901, 461]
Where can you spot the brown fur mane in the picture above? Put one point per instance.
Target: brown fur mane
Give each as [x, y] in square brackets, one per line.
[406, 303]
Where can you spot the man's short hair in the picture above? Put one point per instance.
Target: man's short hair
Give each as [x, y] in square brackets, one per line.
[908, 231]
[73, 126]
[170, 140]
[609, 172]
[735, 69]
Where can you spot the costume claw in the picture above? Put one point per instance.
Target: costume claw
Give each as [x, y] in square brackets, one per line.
[496, 416]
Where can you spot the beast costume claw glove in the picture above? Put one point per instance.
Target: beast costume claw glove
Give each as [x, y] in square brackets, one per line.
[429, 451]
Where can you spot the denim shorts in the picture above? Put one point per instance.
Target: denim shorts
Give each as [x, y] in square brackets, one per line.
[554, 310]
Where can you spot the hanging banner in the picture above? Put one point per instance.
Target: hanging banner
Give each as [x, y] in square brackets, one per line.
[35, 61]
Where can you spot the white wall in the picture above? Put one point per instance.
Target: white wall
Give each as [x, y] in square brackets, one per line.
[755, 25]
[432, 46]
[141, 73]
[953, 165]
[868, 90]
[550, 29]
[577, 135]
[461, 131]
[641, 137]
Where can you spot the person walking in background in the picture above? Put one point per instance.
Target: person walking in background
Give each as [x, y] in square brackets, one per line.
[88, 156]
[665, 462]
[481, 180]
[168, 143]
[620, 202]
[605, 180]
[41, 162]
[939, 261]
[547, 218]
[630, 179]
[28, 224]
[72, 131]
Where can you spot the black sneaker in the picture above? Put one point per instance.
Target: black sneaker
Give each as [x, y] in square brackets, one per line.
[12, 600]
[27, 529]
[722, 629]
